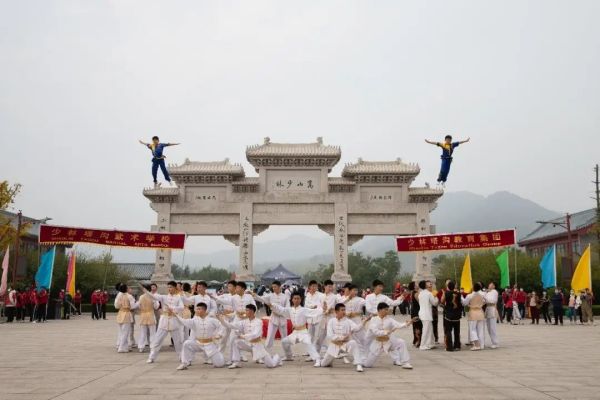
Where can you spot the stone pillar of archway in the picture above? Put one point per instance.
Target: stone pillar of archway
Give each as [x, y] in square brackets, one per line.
[340, 244]
[245, 270]
[162, 266]
[423, 259]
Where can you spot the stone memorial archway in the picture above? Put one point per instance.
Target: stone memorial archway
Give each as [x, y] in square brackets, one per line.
[293, 187]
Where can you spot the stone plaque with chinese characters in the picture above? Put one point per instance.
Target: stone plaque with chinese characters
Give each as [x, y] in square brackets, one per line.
[293, 181]
[204, 194]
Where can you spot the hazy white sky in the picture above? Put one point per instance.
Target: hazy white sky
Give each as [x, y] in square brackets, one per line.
[81, 82]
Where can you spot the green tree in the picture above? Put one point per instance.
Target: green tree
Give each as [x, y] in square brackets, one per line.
[364, 270]
[485, 269]
[92, 272]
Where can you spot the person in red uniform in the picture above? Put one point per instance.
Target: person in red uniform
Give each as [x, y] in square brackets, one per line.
[42, 304]
[77, 301]
[32, 309]
[103, 301]
[95, 300]
[20, 306]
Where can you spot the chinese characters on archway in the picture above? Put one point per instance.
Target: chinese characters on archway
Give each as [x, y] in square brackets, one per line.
[341, 241]
[244, 243]
[294, 184]
[61, 234]
[456, 241]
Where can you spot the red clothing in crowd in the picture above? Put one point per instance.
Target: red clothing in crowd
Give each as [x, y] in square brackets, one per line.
[104, 298]
[32, 296]
[20, 298]
[77, 298]
[94, 299]
[42, 297]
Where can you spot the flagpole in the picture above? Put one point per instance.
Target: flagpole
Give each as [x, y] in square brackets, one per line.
[50, 284]
[516, 268]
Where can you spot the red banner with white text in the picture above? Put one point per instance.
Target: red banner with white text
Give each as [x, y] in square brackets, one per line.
[456, 241]
[50, 234]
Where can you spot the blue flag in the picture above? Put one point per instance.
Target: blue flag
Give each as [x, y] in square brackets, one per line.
[43, 276]
[548, 268]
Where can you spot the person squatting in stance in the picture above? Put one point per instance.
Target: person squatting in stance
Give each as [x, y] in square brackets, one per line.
[238, 302]
[277, 322]
[299, 316]
[124, 303]
[205, 333]
[340, 333]
[248, 337]
[380, 329]
[168, 323]
[227, 311]
[313, 300]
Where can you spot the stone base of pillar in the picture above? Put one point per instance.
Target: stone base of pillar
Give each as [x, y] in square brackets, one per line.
[161, 281]
[341, 277]
[246, 278]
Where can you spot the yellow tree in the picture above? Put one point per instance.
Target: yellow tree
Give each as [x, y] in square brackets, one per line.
[8, 231]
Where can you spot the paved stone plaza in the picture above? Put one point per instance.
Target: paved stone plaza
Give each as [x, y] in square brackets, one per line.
[76, 359]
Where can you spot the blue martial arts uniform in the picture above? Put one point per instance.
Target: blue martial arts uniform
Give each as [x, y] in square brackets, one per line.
[158, 160]
[447, 151]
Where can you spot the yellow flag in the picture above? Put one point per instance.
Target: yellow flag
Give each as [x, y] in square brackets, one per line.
[582, 277]
[466, 280]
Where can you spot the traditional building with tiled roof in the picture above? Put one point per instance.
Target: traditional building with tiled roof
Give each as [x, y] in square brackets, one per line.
[554, 232]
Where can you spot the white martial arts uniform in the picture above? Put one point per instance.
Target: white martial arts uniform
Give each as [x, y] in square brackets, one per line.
[426, 301]
[298, 316]
[228, 313]
[383, 341]
[125, 303]
[205, 333]
[277, 322]
[491, 315]
[476, 317]
[147, 306]
[354, 312]
[248, 337]
[340, 334]
[313, 301]
[211, 304]
[331, 299]
[238, 304]
[185, 314]
[168, 324]
[372, 301]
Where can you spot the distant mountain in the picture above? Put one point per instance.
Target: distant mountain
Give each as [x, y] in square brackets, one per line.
[466, 211]
[456, 212]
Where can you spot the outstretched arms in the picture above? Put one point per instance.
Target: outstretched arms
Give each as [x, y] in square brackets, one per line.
[431, 142]
[465, 141]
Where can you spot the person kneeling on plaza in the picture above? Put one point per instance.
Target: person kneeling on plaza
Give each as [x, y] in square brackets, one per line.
[340, 332]
[249, 338]
[299, 315]
[124, 303]
[168, 324]
[381, 328]
[205, 332]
